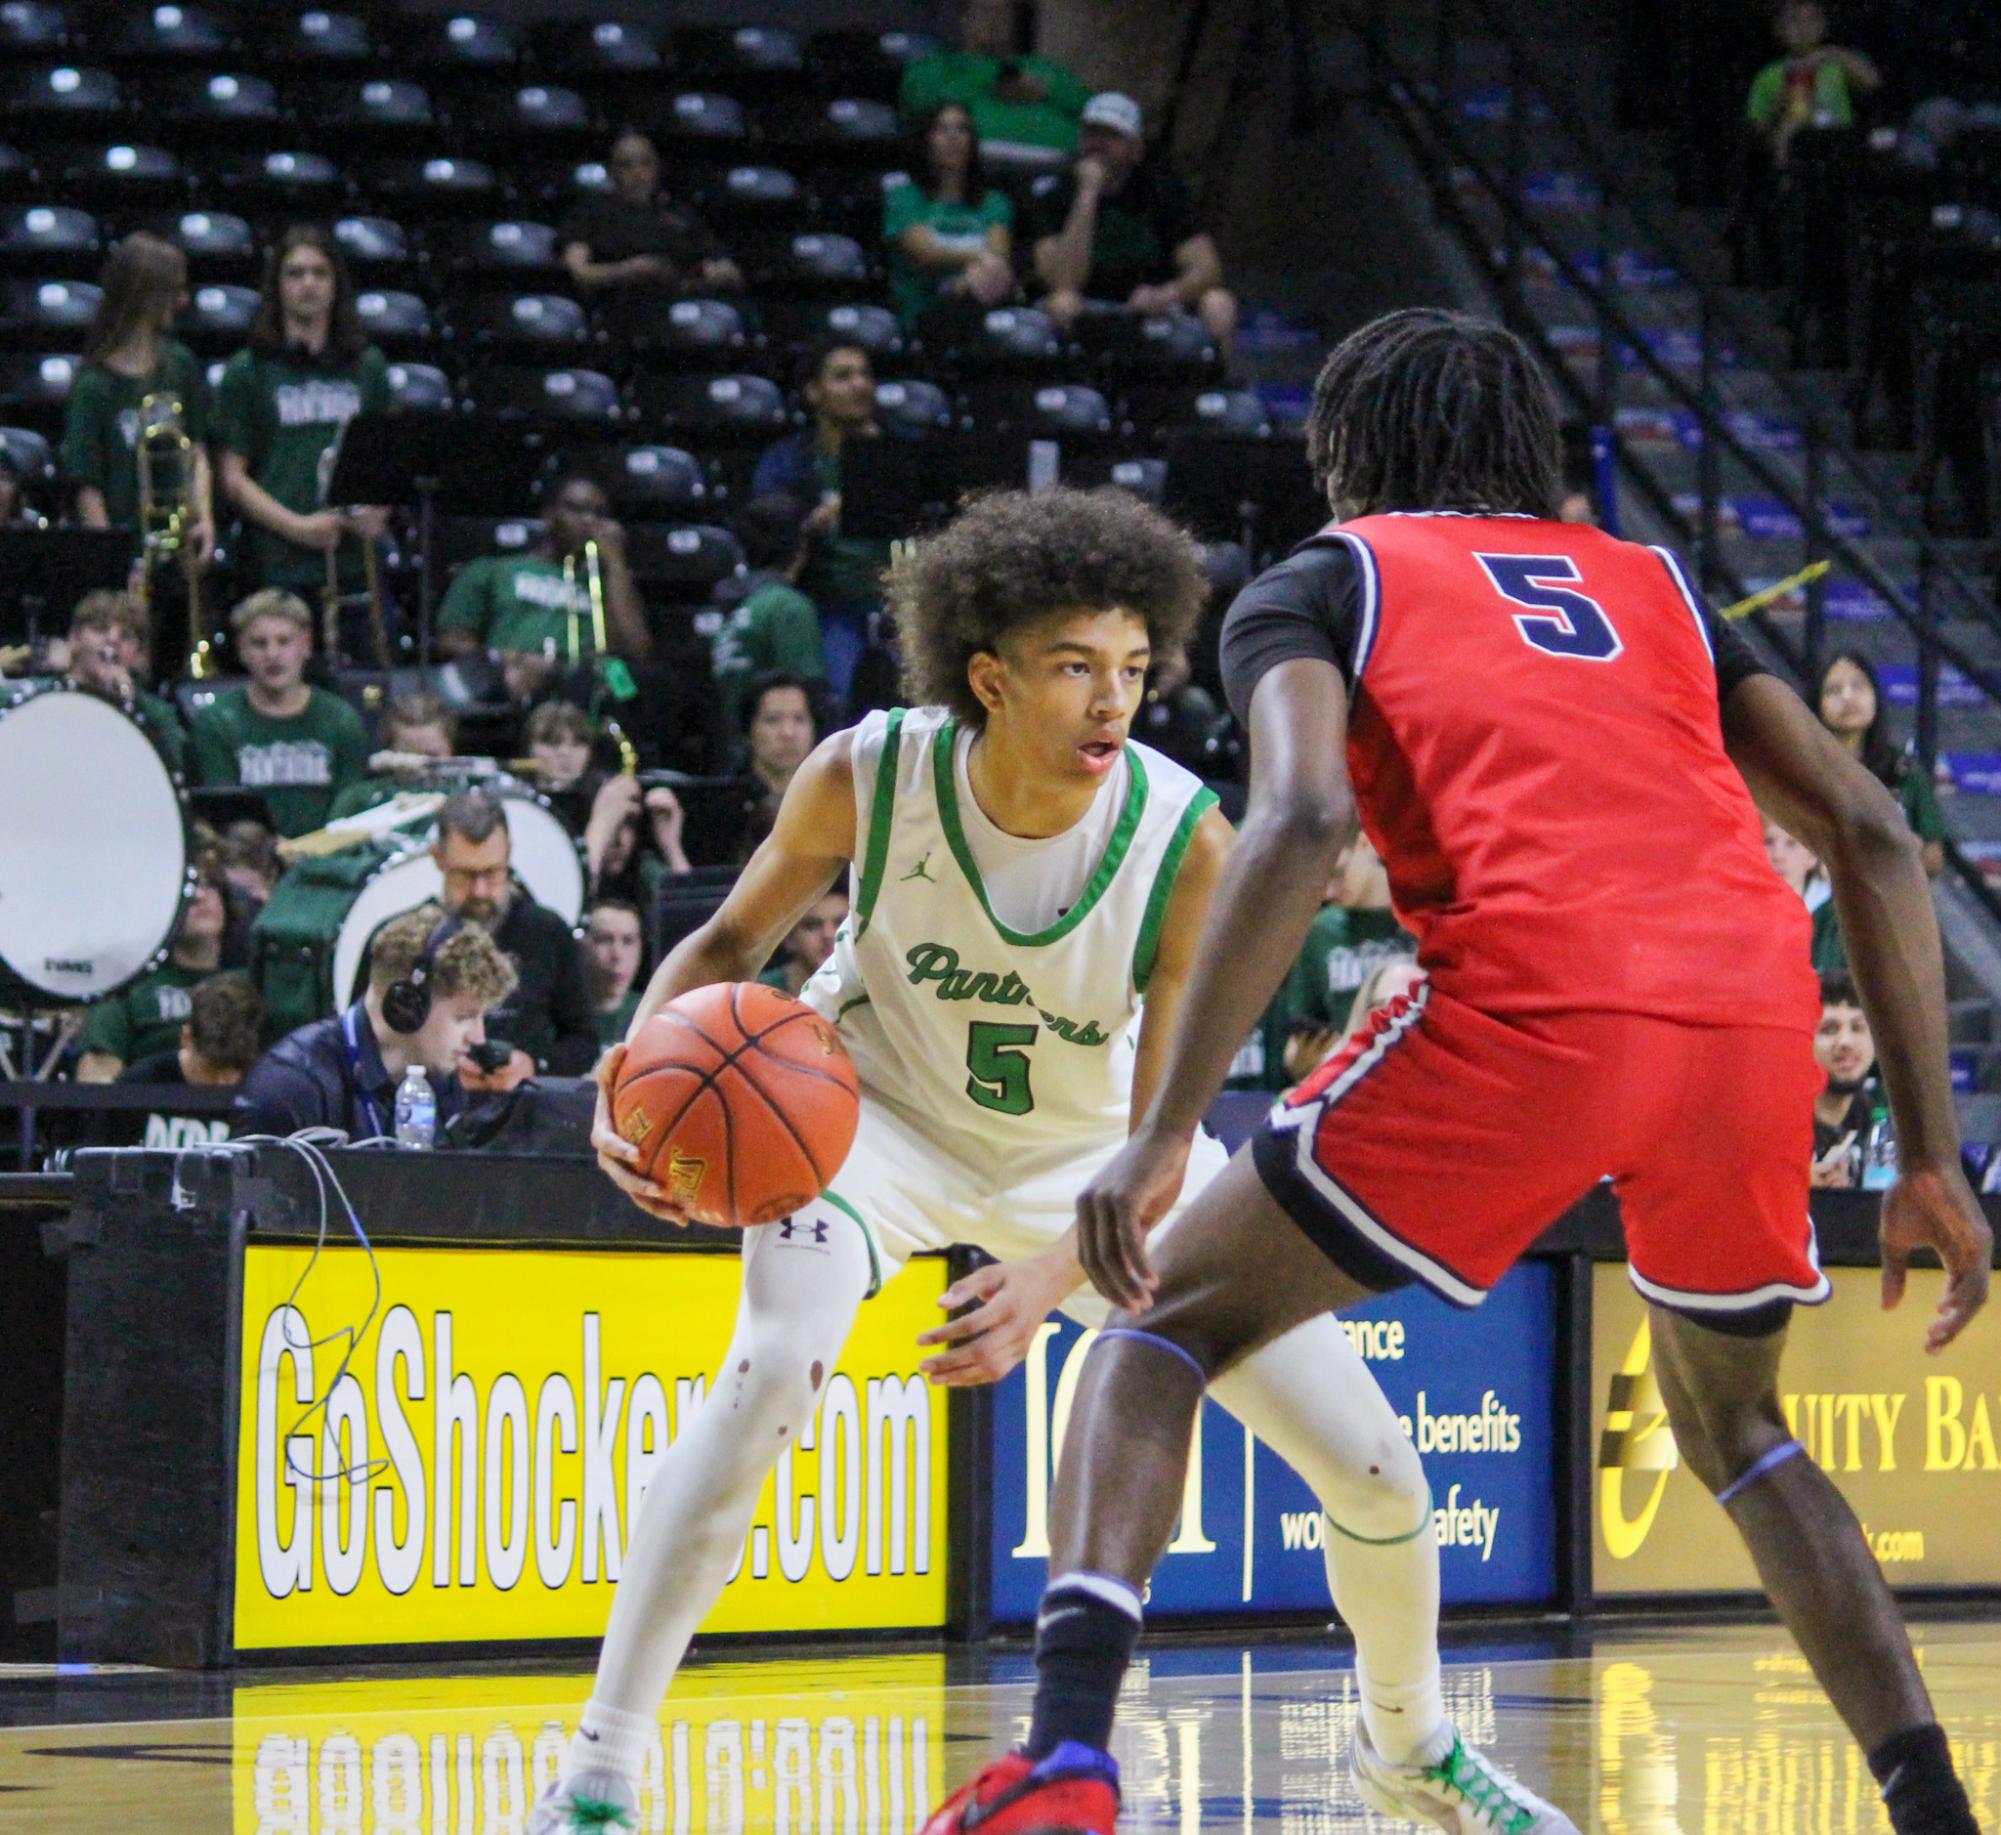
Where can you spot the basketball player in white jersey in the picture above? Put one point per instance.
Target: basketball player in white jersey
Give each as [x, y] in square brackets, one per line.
[1023, 878]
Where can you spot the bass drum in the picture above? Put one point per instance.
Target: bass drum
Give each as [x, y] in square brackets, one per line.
[95, 848]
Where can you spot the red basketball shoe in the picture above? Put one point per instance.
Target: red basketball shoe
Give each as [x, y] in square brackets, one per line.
[1074, 1791]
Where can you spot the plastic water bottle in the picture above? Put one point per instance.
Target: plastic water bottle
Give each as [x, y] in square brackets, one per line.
[416, 1109]
[1879, 1153]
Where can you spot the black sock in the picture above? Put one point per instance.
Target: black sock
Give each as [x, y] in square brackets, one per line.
[1083, 1643]
[1920, 1789]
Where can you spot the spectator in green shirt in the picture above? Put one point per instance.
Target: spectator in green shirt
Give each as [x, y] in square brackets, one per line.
[774, 624]
[134, 371]
[415, 729]
[107, 654]
[297, 746]
[1813, 85]
[1022, 105]
[614, 947]
[532, 612]
[948, 231]
[808, 944]
[147, 1014]
[1850, 699]
[279, 411]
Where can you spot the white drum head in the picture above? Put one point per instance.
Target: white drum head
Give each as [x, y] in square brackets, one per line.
[402, 885]
[547, 859]
[93, 846]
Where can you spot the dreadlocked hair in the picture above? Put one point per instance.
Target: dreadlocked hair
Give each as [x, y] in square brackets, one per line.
[1432, 410]
[1009, 560]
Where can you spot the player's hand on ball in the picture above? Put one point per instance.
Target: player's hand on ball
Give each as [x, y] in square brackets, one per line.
[1120, 1206]
[617, 1156]
[997, 1312]
[1934, 1208]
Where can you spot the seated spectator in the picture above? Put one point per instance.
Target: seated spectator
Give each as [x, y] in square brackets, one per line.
[562, 740]
[1023, 107]
[613, 948]
[949, 233]
[1813, 85]
[1798, 867]
[546, 1016]
[250, 863]
[633, 243]
[780, 728]
[1850, 698]
[1846, 1052]
[131, 358]
[343, 1072]
[297, 746]
[774, 625]
[1118, 232]
[617, 862]
[220, 1040]
[534, 616]
[279, 410]
[416, 729]
[146, 1015]
[809, 944]
[842, 575]
[107, 654]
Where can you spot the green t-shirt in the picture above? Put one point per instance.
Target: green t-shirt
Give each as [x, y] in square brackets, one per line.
[282, 416]
[1829, 951]
[519, 603]
[297, 765]
[958, 225]
[1919, 798]
[968, 77]
[1818, 94]
[101, 427]
[611, 1023]
[146, 1017]
[775, 627]
[1341, 951]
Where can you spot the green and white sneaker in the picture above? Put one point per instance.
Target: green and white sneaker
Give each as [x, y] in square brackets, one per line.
[591, 1803]
[1465, 1792]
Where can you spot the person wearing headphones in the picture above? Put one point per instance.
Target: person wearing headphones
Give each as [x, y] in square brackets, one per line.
[433, 977]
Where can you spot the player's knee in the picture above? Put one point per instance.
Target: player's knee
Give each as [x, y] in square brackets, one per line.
[1720, 1437]
[1379, 1496]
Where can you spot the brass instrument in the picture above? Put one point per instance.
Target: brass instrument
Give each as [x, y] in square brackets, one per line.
[164, 455]
[593, 571]
[371, 572]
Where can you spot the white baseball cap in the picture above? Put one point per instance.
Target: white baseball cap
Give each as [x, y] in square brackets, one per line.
[1120, 113]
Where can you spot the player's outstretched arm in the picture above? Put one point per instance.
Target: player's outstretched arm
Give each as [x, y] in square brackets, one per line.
[1265, 901]
[1824, 798]
[810, 843]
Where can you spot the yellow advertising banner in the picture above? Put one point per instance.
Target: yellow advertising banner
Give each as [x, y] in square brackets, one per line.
[855, 1750]
[1914, 1442]
[469, 1469]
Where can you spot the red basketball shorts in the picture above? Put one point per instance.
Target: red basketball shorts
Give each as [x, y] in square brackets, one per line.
[1437, 1145]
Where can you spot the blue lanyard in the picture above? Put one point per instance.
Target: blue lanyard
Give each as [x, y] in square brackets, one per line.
[350, 1033]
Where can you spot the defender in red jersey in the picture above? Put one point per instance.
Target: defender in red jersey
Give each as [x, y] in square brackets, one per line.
[1560, 756]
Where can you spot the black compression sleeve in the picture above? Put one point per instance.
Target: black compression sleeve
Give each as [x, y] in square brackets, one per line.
[1305, 606]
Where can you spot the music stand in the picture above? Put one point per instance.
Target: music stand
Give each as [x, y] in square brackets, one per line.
[466, 465]
[44, 571]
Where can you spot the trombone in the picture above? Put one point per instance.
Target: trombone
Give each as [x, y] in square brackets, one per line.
[593, 572]
[164, 455]
[371, 573]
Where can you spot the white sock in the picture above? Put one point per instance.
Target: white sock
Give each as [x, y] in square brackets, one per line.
[1310, 1397]
[799, 1301]
[608, 1741]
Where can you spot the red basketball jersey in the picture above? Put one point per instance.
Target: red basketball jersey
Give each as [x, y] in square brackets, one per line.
[1537, 752]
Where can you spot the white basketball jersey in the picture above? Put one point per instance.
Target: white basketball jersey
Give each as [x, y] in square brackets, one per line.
[968, 1027]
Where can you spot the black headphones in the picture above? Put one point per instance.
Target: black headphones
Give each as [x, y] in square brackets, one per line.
[406, 1003]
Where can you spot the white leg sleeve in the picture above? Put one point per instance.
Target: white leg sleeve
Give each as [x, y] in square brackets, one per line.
[1311, 1399]
[800, 1294]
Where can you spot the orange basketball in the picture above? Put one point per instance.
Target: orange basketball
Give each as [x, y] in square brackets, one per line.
[741, 1101]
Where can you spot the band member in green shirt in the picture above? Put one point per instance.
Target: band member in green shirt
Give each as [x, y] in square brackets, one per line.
[132, 366]
[280, 408]
[107, 654]
[297, 746]
[534, 613]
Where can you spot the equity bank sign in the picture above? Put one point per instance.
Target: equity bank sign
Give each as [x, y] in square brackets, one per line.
[471, 1470]
[1910, 1440]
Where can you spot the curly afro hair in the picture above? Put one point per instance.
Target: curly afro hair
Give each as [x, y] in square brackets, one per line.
[1010, 559]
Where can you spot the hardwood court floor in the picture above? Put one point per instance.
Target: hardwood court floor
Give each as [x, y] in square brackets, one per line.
[1711, 1729]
